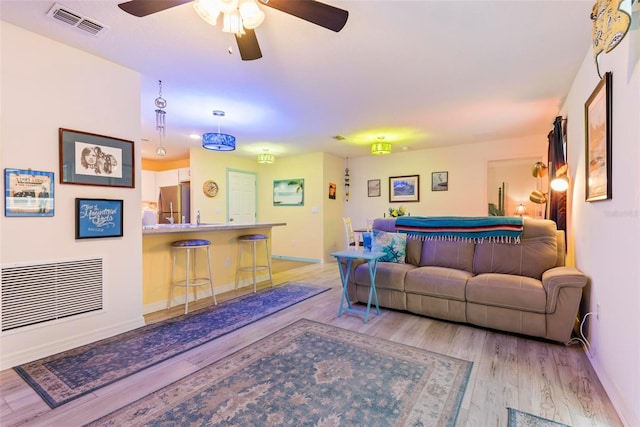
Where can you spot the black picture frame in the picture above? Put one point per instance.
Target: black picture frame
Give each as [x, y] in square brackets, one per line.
[99, 218]
[92, 159]
[440, 181]
[404, 188]
[598, 119]
[28, 193]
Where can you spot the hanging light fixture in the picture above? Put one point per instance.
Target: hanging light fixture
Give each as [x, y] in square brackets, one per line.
[218, 141]
[160, 122]
[381, 148]
[236, 14]
[266, 158]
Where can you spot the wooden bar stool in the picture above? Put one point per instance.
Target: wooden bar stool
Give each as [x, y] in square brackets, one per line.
[190, 248]
[253, 240]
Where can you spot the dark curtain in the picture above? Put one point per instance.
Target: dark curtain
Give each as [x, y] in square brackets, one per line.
[558, 200]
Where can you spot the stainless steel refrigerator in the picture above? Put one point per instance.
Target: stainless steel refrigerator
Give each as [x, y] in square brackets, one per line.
[174, 202]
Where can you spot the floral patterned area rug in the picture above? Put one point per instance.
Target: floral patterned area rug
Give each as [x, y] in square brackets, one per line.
[524, 419]
[65, 376]
[310, 374]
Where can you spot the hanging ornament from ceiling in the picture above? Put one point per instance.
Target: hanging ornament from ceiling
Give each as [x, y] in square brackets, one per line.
[160, 121]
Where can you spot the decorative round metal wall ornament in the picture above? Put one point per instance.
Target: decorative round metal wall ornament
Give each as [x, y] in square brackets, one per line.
[210, 188]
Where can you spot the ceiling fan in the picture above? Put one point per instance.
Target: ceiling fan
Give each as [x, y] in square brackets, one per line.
[318, 13]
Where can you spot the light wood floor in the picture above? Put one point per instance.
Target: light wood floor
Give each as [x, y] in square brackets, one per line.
[548, 380]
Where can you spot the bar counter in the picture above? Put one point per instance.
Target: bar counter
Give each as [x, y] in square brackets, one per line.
[157, 258]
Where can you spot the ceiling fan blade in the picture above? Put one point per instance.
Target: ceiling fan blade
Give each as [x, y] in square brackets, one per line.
[142, 8]
[248, 45]
[321, 14]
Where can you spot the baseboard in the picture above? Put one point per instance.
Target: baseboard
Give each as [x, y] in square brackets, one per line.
[624, 409]
[10, 360]
[293, 258]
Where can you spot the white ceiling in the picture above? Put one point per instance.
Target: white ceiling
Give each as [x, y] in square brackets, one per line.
[420, 73]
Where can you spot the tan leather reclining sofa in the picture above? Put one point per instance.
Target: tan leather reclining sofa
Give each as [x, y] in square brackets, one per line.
[523, 287]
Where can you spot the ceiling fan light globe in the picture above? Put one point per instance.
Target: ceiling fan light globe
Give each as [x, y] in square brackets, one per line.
[207, 10]
[251, 14]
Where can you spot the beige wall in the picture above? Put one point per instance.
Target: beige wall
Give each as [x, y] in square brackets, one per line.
[467, 167]
[604, 236]
[45, 86]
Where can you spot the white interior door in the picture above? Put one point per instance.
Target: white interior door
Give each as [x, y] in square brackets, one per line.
[241, 197]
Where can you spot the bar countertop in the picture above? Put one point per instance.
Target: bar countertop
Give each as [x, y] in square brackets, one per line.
[205, 227]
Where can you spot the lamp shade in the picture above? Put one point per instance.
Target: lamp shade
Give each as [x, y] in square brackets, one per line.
[538, 197]
[521, 210]
[218, 142]
[266, 158]
[381, 148]
[539, 170]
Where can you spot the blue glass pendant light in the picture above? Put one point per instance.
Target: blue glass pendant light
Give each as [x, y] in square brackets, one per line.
[218, 141]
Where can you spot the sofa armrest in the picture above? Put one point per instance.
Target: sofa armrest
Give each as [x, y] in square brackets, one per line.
[557, 278]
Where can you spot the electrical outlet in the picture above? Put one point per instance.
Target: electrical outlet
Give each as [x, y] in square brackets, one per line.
[227, 262]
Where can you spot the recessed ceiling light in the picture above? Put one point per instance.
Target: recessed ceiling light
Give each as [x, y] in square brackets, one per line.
[194, 136]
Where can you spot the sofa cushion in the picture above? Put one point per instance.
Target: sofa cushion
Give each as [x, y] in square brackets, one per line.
[393, 245]
[447, 253]
[507, 291]
[414, 250]
[438, 282]
[389, 275]
[536, 252]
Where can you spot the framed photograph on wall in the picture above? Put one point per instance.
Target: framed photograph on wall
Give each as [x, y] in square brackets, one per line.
[96, 218]
[597, 112]
[404, 188]
[90, 159]
[439, 181]
[332, 190]
[373, 188]
[288, 192]
[28, 193]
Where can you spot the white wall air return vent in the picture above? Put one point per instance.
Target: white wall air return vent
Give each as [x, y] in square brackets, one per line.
[38, 293]
[75, 19]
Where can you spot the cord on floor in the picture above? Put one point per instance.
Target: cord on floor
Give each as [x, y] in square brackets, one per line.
[582, 339]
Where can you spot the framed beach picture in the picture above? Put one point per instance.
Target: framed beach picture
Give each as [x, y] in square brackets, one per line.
[373, 188]
[96, 218]
[597, 112]
[404, 188]
[439, 181]
[90, 159]
[288, 192]
[28, 193]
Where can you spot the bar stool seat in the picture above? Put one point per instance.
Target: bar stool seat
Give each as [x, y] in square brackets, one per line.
[190, 279]
[252, 240]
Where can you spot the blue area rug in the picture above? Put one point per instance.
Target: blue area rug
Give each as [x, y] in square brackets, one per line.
[310, 374]
[524, 419]
[71, 374]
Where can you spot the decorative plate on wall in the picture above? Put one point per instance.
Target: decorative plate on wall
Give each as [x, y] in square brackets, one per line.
[210, 188]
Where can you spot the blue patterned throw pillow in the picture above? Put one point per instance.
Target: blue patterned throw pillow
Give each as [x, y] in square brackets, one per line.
[394, 246]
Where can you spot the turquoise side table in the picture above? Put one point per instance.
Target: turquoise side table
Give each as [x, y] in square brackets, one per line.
[372, 262]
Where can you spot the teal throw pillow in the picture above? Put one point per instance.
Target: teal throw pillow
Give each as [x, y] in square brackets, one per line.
[394, 246]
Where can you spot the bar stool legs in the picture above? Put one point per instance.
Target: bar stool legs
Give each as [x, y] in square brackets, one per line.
[253, 239]
[190, 278]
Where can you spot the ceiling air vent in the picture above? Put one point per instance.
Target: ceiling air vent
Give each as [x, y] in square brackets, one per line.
[75, 19]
